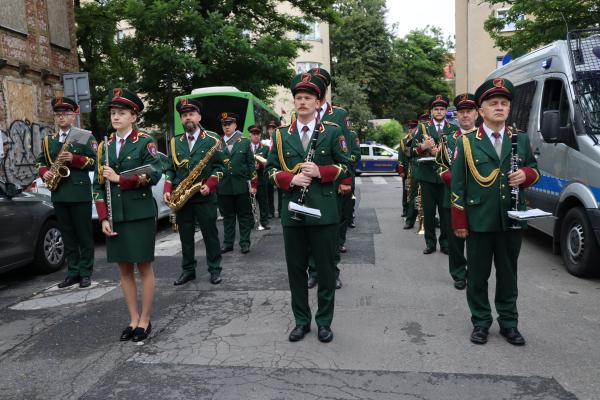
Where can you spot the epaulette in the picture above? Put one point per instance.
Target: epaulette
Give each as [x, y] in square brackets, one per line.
[214, 135]
[284, 126]
[339, 108]
[144, 135]
[475, 129]
[330, 123]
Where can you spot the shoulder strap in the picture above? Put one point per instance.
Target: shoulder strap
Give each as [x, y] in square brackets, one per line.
[284, 166]
[484, 181]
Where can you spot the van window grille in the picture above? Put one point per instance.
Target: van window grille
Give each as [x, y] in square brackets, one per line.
[520, 107]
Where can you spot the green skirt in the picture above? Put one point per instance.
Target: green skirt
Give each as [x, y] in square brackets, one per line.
[134, 242]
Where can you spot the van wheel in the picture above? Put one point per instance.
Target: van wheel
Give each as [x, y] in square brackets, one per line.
[577, 243]
[50, 249]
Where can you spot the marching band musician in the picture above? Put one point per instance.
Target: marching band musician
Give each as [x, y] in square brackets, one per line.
[271, 127]
[72, 198]
[131, 237]
[314, 181]
[466, 108]
[481, 197]
[404, 170]
[426, 144]
[186, 152]
[233, 191]
[262, 151]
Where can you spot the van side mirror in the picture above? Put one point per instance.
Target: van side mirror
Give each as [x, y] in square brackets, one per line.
[552, 132]
[11, 190]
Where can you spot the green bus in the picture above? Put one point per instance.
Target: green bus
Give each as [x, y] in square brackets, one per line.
[218, 99]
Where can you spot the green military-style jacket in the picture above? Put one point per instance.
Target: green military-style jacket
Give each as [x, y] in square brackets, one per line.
[444, 161]
[285, 159]
[77, 187]
[339, 116]
[481, 196]
[426, 171]
[263, 151]
[239, 167]
[131, 198]
[182, 161]
[355, 155]
[405, 152]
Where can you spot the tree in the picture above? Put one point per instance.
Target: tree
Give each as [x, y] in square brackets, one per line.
[389, 133]
[354, 99]
[540, 22]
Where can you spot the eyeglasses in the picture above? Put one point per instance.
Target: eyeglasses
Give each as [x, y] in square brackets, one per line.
[63, 114]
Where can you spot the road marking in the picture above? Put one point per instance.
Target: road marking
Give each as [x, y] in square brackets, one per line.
[54, 297]
[397, 178]
[358, 181]
[171, 245]
[379, 180]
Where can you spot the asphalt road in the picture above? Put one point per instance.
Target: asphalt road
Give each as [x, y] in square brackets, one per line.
[401, 329]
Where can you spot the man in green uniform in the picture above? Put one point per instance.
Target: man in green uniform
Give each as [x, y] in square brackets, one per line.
[186, 152]
[234, 189]
[404, 170]
[271, 127]
[466, 107]
[426, 143]
[72, 198]
[261, 153]
[481, 198]
[305, 234]
[347, 200]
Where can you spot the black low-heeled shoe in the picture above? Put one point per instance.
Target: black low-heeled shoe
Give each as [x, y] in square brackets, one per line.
[140, 334]
[127, 334]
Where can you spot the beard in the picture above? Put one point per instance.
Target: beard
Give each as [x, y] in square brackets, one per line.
[190, 127]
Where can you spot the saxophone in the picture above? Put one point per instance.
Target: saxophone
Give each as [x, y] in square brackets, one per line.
[187, 188]
[59, 169]
[420, 215]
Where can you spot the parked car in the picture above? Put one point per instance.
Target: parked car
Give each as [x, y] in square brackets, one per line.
[29, 232]
[376, 158]
[163, 210]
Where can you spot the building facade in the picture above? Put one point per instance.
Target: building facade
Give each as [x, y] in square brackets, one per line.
[476, 54]
[37, 45]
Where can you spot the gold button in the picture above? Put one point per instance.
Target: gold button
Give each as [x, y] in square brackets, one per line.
[129, 157]
[476, 160]
[144, 195]
[471, 201]
[503, 197]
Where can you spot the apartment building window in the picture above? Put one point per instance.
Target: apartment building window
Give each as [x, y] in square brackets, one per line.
[314, 33]
[509, 26]
[12, 16]
[305, 66]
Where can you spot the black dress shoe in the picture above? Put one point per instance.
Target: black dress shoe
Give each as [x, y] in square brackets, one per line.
[403, 214]
[343, 249]
[215, 278]
[338, 283]
[429, 250]
[479, 335]
[271, 215]
[444, 250]
[352, 225]
[460, 284]
[513, 336]
[184, 278]
[226, 249]
[140, 334]
[127, 334]
[325, 334]
[312, 282]
[408, 226]
[69, 281]
[85, 281]
[245, 249]
[267, 227]
[298, 332]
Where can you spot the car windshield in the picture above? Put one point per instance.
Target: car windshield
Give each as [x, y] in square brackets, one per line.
[589, 98]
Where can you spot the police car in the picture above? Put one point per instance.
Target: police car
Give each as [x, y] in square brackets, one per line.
[376, 157]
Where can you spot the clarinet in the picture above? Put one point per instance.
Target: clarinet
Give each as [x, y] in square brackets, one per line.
[309, 157]
[514, 190]
[107, 186]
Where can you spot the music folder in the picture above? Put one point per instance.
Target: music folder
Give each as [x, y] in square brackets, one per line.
[425, 159]
[300, 209]
[144, 169]
[529, 214]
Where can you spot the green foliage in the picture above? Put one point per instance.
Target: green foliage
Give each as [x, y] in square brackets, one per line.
[389, 133]
[545, 22]
[354, 99]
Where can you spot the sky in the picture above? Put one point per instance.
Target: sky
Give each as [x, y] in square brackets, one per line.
[416, 14]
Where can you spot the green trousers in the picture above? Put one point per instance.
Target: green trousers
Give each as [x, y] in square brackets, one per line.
[346, 209]
[321, 242]
[75, 222]
[236, 206]
[503, 249]
[205, 215]
[432, 198]
[457, 263]
[263, 204]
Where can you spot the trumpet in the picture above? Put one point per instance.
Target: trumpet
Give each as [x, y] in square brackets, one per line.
[255, 213]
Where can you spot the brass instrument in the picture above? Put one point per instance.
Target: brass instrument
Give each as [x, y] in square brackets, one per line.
[255, 213]
[59, 169]
[420, 215]
[187, 188]
[260, 159]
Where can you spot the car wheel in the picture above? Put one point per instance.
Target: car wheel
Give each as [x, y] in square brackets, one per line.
[577, 244]
[50, 250]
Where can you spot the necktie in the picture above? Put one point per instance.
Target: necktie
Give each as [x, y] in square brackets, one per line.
[121, 144]
[191, 141]
[305, 138]
[497, 143]
[439, 129]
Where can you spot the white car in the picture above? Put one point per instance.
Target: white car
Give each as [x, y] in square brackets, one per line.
[38, 186]
[375, 157]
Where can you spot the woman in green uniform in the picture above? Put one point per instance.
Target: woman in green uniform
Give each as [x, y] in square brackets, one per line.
[131, 228]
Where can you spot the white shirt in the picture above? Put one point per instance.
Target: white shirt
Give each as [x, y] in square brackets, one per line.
[439, 126]
[311, 128]
[227, 141]
[255, 147]
[119, 141]
[323, 109]
[62, 138]
[489, 132]
[191, 143]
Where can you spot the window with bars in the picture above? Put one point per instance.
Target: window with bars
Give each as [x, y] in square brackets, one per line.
[520, 107]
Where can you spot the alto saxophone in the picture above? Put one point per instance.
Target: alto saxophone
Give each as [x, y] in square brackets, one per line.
[420, 215]
[59, 169]
[187, 188]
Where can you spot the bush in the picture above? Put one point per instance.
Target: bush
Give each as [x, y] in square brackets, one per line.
[389, 133]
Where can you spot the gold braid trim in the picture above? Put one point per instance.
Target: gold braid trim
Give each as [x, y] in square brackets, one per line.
[100, 162]
[484, 181]
[284, 166]
[47, 151]
[178, 163]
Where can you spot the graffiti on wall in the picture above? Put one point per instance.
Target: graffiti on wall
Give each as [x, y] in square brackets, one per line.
[22, 144]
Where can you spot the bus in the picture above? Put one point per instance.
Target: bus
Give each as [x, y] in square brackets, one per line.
[218, 99]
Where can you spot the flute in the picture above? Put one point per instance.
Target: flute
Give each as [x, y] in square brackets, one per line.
[107, 186]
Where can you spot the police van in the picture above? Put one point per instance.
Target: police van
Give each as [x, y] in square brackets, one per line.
[557, 102]
[375, 157]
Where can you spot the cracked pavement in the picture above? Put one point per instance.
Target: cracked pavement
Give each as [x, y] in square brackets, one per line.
[401, 329]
